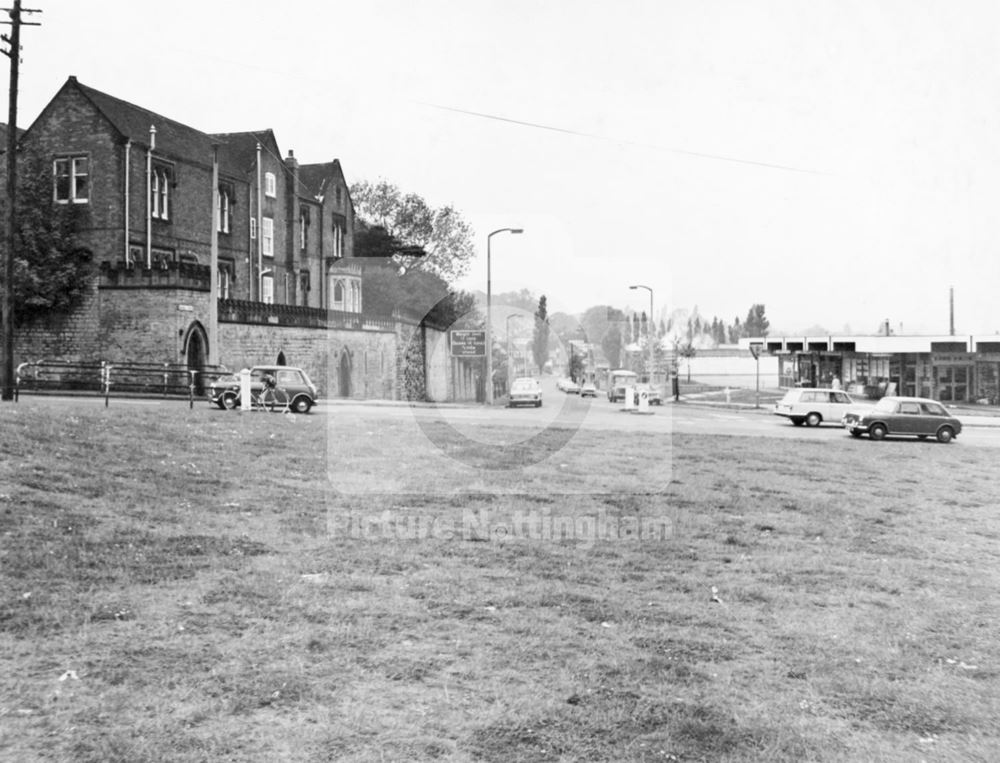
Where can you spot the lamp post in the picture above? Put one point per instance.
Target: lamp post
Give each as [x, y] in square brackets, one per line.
[510, 358]
[649, 328]
[489, 308]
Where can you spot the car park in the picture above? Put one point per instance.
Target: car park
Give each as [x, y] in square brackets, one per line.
[813, 406]
[589, 389]
[525, 391]
[904, 417]
[302, 394]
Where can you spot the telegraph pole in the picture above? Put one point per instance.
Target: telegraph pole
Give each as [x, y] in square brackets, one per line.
[14, 54]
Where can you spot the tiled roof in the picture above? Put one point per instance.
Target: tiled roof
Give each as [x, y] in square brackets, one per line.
[241, 147]
[316, 177]
[172, 137]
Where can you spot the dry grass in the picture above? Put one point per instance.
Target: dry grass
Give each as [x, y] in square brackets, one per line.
[189, 588]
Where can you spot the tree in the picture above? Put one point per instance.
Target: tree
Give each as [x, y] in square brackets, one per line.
[540, 344]
[51, 270]
[441, 233]
[756, 324]
[611, 345]
[735, 331]
[423, 294]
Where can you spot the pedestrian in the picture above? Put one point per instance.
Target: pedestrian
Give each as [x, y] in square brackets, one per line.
[835, 384]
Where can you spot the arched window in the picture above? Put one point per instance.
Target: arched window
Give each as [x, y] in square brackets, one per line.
[338, 291]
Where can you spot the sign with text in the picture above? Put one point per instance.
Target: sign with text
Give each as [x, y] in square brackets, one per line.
[467, 343]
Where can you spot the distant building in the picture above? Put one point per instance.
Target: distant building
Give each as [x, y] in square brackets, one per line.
[944, 367]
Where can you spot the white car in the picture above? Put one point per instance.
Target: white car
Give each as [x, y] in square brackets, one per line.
[568, 386]
[525, 391]
[813, 406]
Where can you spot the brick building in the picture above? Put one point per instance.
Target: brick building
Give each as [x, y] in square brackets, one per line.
[160, 201]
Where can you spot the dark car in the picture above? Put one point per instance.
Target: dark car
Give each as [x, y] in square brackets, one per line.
[904, 417]
[225, 391]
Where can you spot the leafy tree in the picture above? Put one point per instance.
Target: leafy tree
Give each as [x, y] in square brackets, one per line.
[735, 331]
[540, 344]
[687, 351]
[756, 324]
[51, 270]
[422, 294]
[611, 345]
[523, 299]
[441, 233]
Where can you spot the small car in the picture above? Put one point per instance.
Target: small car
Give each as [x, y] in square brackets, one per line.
[589, 389]
[812, 406]
[652, 394]
[302, 394]
[904, 417]
[568, 385]
[525, 391]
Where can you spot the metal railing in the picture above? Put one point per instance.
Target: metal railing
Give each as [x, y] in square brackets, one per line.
[163, 379]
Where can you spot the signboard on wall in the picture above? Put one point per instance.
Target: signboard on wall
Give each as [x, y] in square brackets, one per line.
[467, 343]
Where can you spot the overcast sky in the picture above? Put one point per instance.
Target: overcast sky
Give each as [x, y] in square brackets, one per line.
[838, 161]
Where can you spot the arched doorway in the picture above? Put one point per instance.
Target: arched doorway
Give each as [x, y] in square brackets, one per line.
[195, 352]
[344, 375]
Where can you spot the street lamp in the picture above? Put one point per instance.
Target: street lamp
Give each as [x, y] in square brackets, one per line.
[649, 328]
[510, 358]
[489, 308]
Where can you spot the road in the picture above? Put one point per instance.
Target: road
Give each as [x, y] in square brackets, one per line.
[559, 410]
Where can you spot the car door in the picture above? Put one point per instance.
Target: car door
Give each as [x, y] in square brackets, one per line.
[909, 418]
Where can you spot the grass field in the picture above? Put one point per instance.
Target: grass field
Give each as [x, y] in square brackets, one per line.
[193, 588]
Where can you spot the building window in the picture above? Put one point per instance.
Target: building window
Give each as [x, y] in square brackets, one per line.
[338, 196]
[304, 287]
[225, 209]
[303, 227]
[160, 190]
[267, 288]
[161, 258]
[72, 179]
[136, 254]
[267, 237]
[253, 227]
[270, 185]
[226, 278]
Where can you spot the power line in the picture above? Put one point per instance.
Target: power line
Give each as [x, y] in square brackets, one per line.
[594, 136]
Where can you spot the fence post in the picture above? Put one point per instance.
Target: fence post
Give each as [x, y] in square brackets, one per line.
[106, 381]
[166, 377]
[191, 374]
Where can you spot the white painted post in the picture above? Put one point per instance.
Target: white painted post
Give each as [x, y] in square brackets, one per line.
[245, 389]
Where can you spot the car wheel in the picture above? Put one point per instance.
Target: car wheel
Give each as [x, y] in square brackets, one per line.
[855, 433]
[301, 404]
[945, 434]
[230, 400]
[877, 431]
[538, 404]
[813, 419]
[797, 421]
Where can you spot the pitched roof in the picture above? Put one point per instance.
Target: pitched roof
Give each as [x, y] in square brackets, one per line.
[133, 122]
[241, 147]
[316, 177]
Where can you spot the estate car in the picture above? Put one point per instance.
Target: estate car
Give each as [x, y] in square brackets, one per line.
[812, 406]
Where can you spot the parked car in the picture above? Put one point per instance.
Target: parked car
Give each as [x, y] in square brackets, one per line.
[814, 406]
[652, 394]
[568, 386]
[589, 389]
[904, 417]
[225, 391]
[525, 391]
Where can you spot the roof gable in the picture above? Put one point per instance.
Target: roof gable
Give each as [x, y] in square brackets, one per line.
[134, 122]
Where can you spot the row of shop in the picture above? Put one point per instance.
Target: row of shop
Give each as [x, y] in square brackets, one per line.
[949, 369]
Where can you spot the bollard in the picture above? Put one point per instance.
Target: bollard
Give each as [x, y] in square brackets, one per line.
[629, 398]
[245, 389]
[644, 401]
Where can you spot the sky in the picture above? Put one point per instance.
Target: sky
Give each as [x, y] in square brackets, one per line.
[836, 160]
